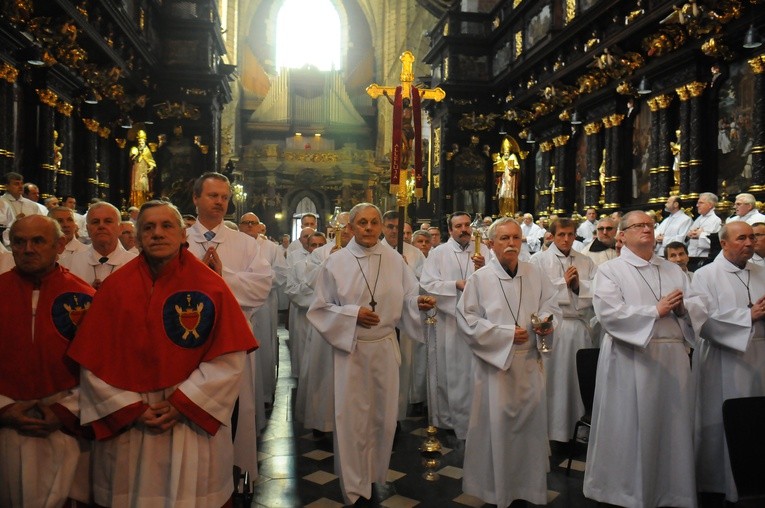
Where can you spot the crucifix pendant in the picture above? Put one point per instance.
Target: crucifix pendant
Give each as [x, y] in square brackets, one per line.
[372, 303]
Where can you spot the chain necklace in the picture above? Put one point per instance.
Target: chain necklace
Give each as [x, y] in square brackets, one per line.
[746, 284]
[658, 273]
[520, 299]
[463, 274]
[372, 302]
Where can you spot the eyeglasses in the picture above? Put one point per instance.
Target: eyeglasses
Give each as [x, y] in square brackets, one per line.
[604, 228]
[640, 225]
[249, 223]
[759, 235]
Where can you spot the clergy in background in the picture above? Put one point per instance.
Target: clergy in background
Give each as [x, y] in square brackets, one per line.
[641, 443]
[446, 269]
[506, 450]
[363, 292]
[571, 275]
[730, 359]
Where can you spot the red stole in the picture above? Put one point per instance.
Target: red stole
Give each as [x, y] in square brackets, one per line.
[36, 367]
[143, 334]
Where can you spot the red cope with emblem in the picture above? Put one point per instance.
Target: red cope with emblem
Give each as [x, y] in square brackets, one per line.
[123, 339]
[35, 367]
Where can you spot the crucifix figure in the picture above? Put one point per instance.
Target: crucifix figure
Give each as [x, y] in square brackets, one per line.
[406, 133]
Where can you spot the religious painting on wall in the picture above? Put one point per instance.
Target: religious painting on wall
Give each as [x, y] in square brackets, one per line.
[734, 129]
[539, 26]
[641, 145]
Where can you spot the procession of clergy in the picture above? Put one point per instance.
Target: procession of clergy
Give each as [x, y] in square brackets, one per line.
[129, 376]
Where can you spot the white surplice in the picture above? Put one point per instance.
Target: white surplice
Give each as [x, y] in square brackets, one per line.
[85, 264]
[674, 228]
[708, 224]
[445, 265]
[367, 360]
[265, 320]
[729, 361]
[248, 276]
[299, 303]
[506, 450]
[641, 443]
[198, 463]
[564, 402]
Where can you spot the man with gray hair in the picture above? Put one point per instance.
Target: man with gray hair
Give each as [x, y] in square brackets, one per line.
[65, 218]
[105, 254]
[602, 248]
[705, 224]
[745, 206]
[728, 314]
[363, 293]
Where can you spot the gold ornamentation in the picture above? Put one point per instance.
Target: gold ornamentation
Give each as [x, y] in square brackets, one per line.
[683, 92]
[47, 97]
[565, 116]
[103, 132]
[437, 147]
[561, 140]
[616, 119]
[546, 146]
[695, 88]
[606, 122]
[592, 128]
[91, 124]
[478, 123]
[757, 64]
[9, 73]
[518, 43]
[715, 48]
[121, 142]
[626, 88]
[570, 11]
[64, 108]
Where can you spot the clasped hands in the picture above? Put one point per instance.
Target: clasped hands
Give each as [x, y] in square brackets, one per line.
[367, 318]
[671, 302]
[160, 417]
[30, 418]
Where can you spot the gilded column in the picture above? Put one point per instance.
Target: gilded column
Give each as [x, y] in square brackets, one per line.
[65, 156]
[90, 159]
[758, 124]
[102, 164]
[544, 193]
[653, 152]
[9, 75]
[607, 164]
[695, 90]
[665, 158]
[558, 179]
[63, 123]
[681, 152]
[594, 159]
[612, 169]
[46, 117]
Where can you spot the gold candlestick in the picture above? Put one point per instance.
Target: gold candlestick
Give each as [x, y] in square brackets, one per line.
[477, 237]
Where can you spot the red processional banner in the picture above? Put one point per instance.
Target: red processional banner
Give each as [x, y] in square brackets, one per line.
[395, 154]
[417, 142]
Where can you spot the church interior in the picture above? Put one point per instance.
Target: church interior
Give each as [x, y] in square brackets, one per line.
[549, 107]
[609, 104]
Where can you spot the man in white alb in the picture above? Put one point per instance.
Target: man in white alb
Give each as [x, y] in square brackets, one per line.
[363, 292]
[65, 217]
[571, 275]
[105, 254]
[674, 228]
[507, 447]
[602, 248]
[746, 210]
[235, 257]
[729, 361]
[641, 443]
[585, 233]
[704, 225]
[446, 269]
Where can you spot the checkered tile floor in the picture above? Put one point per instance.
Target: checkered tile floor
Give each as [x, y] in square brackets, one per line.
[297, 468]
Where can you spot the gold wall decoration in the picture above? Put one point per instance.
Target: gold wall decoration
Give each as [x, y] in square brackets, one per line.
[695, 88]
[546, 146]
[757, 64]
[616, 119]
[715, 48]
[64, 108]
[47, 97]
[626, 88]
[518, 43]
[683, 93]
[103, 132]
[437, 147]
[121, 142]
[91, 124]
[570, 11]
[561, 140]
[592, 128]
[8, 72]
[664, 101]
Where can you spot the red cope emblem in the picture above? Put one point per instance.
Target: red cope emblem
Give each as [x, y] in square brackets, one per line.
[189, 318]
